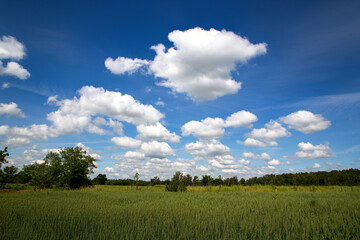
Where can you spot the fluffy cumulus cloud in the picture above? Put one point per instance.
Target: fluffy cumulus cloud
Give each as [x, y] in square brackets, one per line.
[155, 149]
[123, 65]
[250, 142]
[86, 113]
[207, 148]
[211, 128]
[199, 64]
[156, 132]
[310, 151]
[274, 162]
[267, 135]
[14, 69]
[250, 155]
[75, 115]
[10, 110]
[126, 142]
[10, 48]
[201, 61]
[306, 122]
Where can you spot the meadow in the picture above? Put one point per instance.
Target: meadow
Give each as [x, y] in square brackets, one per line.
[238, 212]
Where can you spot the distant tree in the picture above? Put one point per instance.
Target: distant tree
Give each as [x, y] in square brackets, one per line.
[242, 181]
[100, 179]
[188, 180]
[136, 179]
[196, 181]
[177, 183]
[10, 174]
[155, 181]
[206, 180]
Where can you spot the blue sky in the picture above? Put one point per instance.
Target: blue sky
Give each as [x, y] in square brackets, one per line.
[241, 88]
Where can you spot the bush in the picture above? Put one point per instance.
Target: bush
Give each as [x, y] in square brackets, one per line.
[177, 183]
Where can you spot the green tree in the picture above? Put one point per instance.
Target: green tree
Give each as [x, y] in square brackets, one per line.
[155, 181]
[177, 183]
[100, 179]
[70, 167]
[10, 174]
[136, 179]
[3, 155]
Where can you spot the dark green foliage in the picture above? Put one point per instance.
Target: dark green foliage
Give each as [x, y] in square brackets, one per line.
[206, 180]
[178, 183]
[10, 174]
[100, 179]
[155, 181]
[348, 177]
[3, 155]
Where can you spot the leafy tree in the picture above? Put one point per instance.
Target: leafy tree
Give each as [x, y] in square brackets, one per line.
[100, 179]
[10, 174]
[3, 155]
[188, 179]
[136, 179]
[70, 167]
[206, 180]
[196, 181]
[177, 183]
[155, 181]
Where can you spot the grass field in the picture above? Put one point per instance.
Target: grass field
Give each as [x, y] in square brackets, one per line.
[117, 212]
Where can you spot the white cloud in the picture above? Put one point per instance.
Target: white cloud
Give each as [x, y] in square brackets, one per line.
[126, 142]
[274, 162]
[208, 128]
[123, 65]
[306, 122]
[5, 85]
[241, 119]
[74, 115]
[89, 151]
[330, 164]
[211, 128]
[10, 48]
[156, 132]
[207, 149]
[272, 131]
[156, 149]
[250, 142]
[14, 69]
[244, 161]
[250, 155]
[16, 141]
[316, 165]
[11, 109]
[201, 61]
[160, 103]
[309, 151]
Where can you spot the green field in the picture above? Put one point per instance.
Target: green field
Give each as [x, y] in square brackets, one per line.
[114, 212]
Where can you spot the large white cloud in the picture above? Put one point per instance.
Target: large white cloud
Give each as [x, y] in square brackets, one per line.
[207, 149]
[10, 109]
[14, 69]
[156, 132]
[250, 155]
[201, 61]
[272, 131]
[211, 128]
[310, 151]
[156, 149]
[75, 115]
[123, 65]
[10, 48]
[306, 122]
[199, 64]
[126, 142]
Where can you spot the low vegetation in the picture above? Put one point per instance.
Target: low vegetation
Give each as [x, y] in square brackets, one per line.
[116, 212]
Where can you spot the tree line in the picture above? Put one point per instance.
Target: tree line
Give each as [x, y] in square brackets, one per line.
[71, 167]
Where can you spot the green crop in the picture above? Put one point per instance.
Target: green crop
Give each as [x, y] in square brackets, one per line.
[117, 213]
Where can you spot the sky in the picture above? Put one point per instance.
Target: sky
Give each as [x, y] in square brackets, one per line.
[230, 88]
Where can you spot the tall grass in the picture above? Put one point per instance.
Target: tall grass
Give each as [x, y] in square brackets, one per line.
[116, 213]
